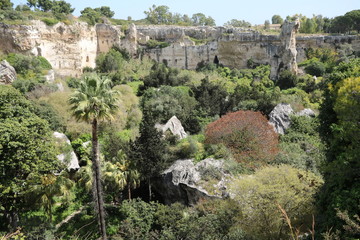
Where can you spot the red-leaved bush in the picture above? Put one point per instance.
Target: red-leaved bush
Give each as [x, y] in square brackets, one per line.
[247, 134]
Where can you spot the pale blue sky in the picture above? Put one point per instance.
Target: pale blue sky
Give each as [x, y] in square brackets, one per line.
[255, 12]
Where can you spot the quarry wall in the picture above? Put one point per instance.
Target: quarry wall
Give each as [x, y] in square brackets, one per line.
[70, 48]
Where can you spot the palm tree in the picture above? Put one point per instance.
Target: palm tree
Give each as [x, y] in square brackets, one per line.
[47, 188]
[131, 175]
[94, 101]
[121, 173]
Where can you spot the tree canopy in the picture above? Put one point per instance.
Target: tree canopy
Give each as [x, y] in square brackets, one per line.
[26, 147]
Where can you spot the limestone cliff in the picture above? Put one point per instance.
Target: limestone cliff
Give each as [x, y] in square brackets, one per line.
[287, 52]
[70, 48]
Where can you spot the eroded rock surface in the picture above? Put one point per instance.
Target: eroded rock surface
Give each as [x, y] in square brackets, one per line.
[287, 51]
[69, 158]
[174, 126]
[280, 117]
[7, 73]
[188, 183]
[70, 48]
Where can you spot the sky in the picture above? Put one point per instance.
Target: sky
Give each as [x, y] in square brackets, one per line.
[253, 11]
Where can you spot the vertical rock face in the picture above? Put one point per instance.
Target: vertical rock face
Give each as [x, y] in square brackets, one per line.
[70, 48]
[7, 73]
[132, 40]
[107, 36]
[287, 52]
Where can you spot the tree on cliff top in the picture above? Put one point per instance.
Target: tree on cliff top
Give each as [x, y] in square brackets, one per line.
[5, 4]
[158, 14]
[277, 19]
[238, 23]
[162, 15]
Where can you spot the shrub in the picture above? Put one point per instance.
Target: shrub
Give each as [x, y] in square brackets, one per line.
[47, 112]
[156, 44]
[315, 68]
[44, 63]
[247, 134]
[50, 21]
[286, 80]
[23, 64]
[260, 196]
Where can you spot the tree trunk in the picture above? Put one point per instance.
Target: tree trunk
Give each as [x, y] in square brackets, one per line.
[129, 191]
[149, 189]
[13, 219]
[97, 187]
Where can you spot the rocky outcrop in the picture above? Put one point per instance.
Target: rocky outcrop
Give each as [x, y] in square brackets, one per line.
[7, 73]
[279, 117]
[186, 182]
[68, 157]
[131, 40]
[286, 58]
[174, 126]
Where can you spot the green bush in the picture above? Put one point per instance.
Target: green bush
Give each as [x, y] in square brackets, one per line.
[316, 68]
[47, 112]
[260, 197]
[50, 21]
[286, 80]
[23, 64]
[44, 63]
[156, 44]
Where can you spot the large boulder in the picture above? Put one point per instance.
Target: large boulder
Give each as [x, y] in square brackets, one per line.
[68, 157]
[280, 117]
[187, 183]
[174, 126]
[7, 73]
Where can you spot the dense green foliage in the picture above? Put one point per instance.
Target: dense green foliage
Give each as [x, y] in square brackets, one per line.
[96, 15]
[162, 15]
[26, 149]
[301, 146]
[340, 127]
[262, 196]
[238, 23]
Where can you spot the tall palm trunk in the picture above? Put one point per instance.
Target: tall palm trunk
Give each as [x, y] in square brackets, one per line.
[97, 188]
[149, 185]
[129, 191]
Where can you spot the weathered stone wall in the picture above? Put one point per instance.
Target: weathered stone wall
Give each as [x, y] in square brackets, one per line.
[70, 48]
